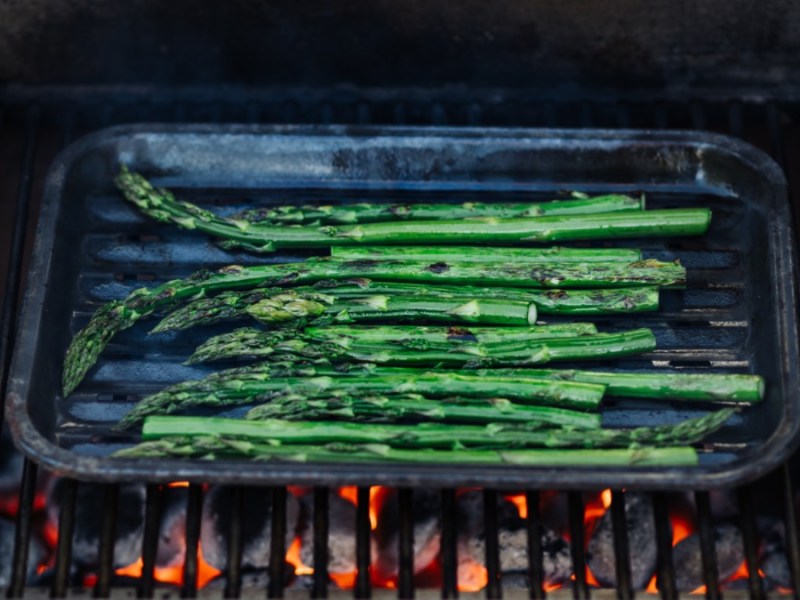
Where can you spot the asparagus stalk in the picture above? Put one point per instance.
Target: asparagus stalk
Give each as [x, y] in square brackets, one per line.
[163, 206]
[256, 386]
[365, 212]
[416, 335]
[216, 448]
[482, 254]
[713, 387]
[433, 435]
[408, 350]
[710, 387]
[233, 305]
[390, 409]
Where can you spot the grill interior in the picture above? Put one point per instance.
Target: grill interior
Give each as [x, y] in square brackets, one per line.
[35, 124]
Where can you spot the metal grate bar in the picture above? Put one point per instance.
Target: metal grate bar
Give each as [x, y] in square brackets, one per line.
[22, 533]
[66, 528]
[622, 558]
[708, 548]
[152, 523]
[108, 535]
[535, 551]
[580, 589]
[277, 550]
[448, 553]
[363, 588]
[8, 317]
[233, 583]
[405, 573]
[320, 587]
[748, 525]
[494, 588]
[194, 515]
[664, 568]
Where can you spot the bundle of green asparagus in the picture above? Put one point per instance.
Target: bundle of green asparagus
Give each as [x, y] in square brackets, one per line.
[349, 303]
[393, 349]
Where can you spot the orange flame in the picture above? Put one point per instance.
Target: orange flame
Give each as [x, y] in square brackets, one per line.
[345, 581]
[178, 484]
[173, 574]
[521, 502]
[596, 508]
[377, 496]
[293, 558]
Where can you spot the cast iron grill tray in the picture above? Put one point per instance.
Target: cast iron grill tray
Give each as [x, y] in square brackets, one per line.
[738, 313]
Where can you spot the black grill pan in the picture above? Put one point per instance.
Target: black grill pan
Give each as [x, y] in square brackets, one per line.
[738, 313]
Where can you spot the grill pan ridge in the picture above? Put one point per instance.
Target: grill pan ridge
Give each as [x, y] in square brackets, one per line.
[738, 313]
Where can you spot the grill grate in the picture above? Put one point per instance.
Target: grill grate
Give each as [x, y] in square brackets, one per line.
[34, 125]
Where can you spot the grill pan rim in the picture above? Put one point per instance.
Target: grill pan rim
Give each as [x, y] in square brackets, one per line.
[36, 446]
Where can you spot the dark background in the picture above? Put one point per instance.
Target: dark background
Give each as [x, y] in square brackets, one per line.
[653, 44]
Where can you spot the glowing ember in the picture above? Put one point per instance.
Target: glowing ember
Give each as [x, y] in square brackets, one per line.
[682, 526]
[591, 579]
[596, 508]
[521, 502]
[174, 574]
[345, 581]
[349, 493]
[293, 558]
[377, 497]
[50, 534]
[178, 484]
[472, 576]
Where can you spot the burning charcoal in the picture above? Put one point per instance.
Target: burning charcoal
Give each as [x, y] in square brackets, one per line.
[256, 525]
[512, 540]
[341, 534]
[172, 536]
[688, 563]
[89, 508]
[641, 542]
[36, 552]
[426, 510]
[774, 563]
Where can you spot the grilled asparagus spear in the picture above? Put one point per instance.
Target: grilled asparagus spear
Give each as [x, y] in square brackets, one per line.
[219, 448]
[409, 350]
[248, 387]
[365, 212]
[163, 206]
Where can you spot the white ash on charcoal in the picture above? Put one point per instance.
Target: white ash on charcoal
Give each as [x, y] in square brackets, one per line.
[426, 512]
[512, 540]
[687, 558]
[641, 542]
[774, 563]
[256, 526]
[341, 533]
[37, 553]
[172, 530]
[89, 509]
